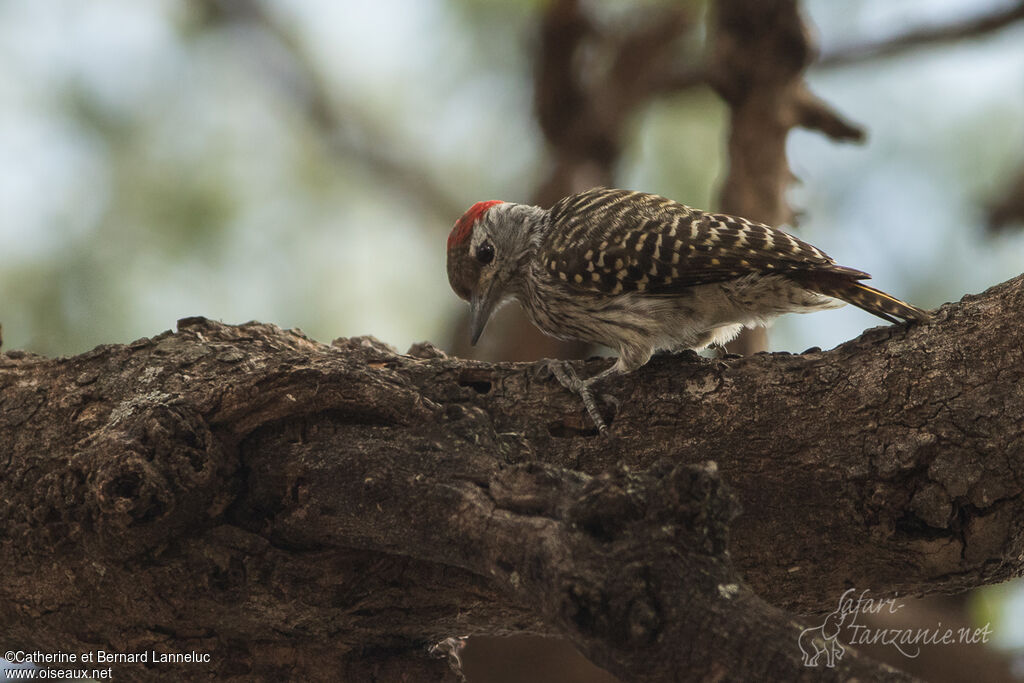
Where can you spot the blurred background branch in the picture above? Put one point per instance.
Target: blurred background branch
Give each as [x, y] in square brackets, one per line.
[1009, 211]
[974, 27]
[759, 52]
[346, 129]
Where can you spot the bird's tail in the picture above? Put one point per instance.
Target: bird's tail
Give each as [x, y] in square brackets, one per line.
[845, 287]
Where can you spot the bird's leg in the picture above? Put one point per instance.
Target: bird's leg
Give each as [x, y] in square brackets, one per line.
[567, 377]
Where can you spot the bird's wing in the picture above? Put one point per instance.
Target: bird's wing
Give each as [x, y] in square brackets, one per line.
[615, 241]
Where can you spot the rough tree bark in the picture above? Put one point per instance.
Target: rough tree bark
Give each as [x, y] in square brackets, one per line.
[320, 511]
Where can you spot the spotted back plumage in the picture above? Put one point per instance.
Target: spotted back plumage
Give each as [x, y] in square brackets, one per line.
[616, 241]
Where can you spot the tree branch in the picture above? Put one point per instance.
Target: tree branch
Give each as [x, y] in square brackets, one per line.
[276, 502]
[344, 127]
[932, 35]
[1008, 212]
[760, 49]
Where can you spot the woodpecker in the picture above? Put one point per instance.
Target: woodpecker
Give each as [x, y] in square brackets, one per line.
[638, 273]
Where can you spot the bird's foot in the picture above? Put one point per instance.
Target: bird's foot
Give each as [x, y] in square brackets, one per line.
[567, 377]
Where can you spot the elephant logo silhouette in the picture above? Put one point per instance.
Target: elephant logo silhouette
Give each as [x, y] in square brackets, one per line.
[823, 640]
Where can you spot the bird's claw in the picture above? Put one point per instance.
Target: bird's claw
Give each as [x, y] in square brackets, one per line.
[565, 374]
[567, 377]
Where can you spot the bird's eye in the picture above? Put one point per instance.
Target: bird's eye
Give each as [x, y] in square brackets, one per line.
[485, 253]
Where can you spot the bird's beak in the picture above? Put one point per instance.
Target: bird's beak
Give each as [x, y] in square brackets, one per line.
[480, 307]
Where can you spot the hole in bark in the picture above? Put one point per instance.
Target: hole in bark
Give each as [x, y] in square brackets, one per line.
[126, 486]
[474, 381]
[480, 387]
[600, 528]
[296, 488]
[912, 525]
[561, 430]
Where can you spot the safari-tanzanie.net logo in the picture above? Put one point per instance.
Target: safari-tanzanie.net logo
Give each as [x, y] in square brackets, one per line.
[821, 646]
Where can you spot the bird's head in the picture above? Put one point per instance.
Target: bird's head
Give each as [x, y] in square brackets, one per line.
[485, 249]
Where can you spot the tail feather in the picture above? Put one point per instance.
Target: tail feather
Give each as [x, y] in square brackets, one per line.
[870, 299]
